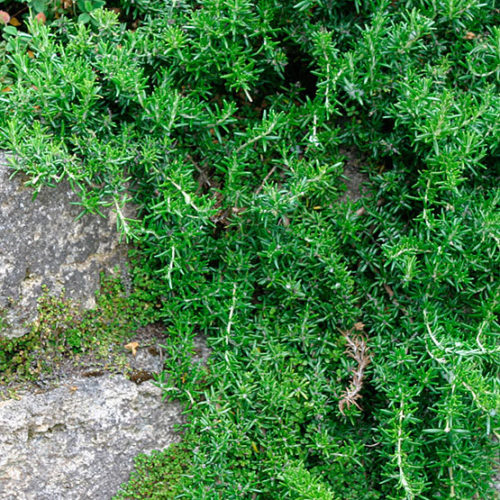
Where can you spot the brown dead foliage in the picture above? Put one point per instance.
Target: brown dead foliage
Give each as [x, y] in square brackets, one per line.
[357, 349]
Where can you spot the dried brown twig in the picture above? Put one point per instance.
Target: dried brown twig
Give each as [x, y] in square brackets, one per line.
[357, 349]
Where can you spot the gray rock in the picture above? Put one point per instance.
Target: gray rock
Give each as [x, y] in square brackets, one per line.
[78, 441]
[42, 244]
[76, 438]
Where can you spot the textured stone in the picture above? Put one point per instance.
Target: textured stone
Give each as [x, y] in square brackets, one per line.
[76, 438]
[78, 441]
[42, 244]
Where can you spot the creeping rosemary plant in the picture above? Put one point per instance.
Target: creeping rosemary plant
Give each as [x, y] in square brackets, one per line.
[353, 341]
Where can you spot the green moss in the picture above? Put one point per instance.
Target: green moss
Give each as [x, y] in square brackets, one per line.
[64, 331]
[17, 356]
[158, 475]
[3, 322]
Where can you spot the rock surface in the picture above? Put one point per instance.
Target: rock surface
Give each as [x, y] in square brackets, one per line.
[78, 441]
[73, 433]
[42, 244]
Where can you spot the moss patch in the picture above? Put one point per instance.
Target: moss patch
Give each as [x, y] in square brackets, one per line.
[65, 336]
[157, 475]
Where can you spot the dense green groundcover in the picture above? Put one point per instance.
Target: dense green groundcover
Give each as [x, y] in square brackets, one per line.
[354, 351]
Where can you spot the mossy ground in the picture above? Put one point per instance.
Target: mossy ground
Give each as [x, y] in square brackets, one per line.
[157, 475]
[66, 340]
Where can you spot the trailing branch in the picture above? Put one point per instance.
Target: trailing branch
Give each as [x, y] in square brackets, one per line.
[357, 349]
